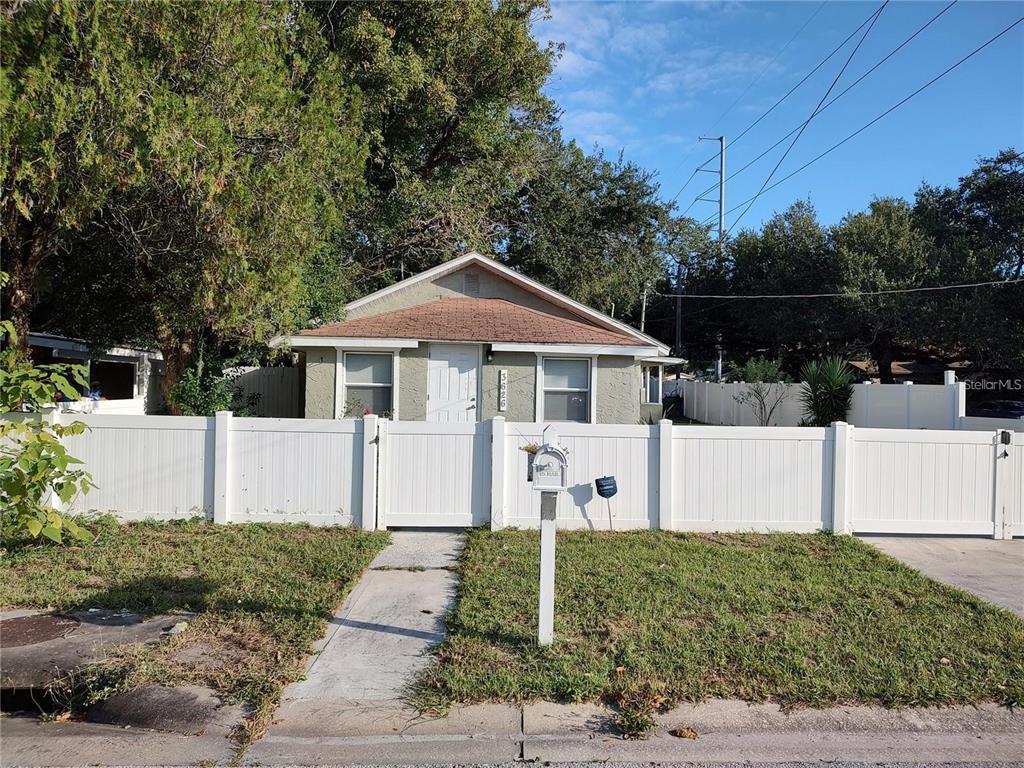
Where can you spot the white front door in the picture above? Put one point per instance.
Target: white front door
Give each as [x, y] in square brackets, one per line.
[452, 373]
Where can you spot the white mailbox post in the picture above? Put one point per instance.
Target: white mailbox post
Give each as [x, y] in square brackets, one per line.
[550, 476]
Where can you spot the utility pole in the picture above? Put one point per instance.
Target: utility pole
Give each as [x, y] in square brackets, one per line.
[721, 187]
[643, 310]
[679, 311]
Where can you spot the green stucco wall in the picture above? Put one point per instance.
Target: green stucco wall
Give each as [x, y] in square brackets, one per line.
[618, 386]
[412, 383]
[320, 362]
[522, 383]
[618, 390]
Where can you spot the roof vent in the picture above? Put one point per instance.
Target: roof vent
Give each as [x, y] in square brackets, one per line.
[471, 283]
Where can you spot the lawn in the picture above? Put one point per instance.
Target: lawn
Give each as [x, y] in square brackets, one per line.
[262, 594]
[647, 619]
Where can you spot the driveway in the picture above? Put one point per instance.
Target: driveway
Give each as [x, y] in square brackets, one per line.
[989, 568]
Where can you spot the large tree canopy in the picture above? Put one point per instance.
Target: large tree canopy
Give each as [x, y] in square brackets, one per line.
[228, 151]
[175, 172]
[589, 227]
[453, 112]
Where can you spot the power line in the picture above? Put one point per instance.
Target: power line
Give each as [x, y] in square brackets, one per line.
[848, 294]
[696, 170]
[766, 68]
[813, 114]
[894, 107]
[803, 80]
[740, 98]
[842, 93]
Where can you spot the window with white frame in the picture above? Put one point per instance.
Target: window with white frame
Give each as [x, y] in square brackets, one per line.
[368, 383]
[566, 389]
[651, 385]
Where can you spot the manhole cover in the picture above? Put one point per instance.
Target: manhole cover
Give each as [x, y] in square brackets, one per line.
[29, 630]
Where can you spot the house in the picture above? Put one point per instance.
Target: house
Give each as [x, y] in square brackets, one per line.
[121, 379]
[472, 339]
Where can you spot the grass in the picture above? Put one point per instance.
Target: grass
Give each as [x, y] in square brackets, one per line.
[262, 594]
[647, 619]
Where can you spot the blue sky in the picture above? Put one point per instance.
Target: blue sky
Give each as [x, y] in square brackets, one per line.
[649, 78]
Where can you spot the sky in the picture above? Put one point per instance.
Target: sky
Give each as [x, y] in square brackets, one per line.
[649, 78]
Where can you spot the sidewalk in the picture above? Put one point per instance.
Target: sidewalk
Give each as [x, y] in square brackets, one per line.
[378, 643]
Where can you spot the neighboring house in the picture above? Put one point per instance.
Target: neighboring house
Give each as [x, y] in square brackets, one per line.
[121, 379]
[472, 339]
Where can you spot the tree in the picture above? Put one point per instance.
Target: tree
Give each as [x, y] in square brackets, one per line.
[789, 256]
[878, 250]
[453, 110]
[251, 153]
[589, 227]
[72, 115]
[978, 231]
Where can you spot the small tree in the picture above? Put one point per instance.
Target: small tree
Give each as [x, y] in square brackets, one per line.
[763, 392]
[32, 459]
[826, 391]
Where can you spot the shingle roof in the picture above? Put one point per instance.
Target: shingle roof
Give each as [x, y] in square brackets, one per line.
[485, 320]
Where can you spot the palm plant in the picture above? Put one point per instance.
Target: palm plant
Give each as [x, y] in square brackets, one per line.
[826, 391]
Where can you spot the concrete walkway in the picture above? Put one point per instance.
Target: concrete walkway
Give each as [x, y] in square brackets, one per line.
[378, 643]
[989, 568]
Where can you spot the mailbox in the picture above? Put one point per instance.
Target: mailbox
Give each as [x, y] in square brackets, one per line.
[550, 468]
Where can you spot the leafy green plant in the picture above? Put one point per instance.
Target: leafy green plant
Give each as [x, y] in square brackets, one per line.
[826, 391]
[33, 460]
[210, 386]
[762, 392]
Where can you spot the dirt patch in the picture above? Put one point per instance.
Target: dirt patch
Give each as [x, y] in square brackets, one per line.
[29, 630]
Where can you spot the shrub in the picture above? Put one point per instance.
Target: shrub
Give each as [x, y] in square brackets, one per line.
[762, 394]
[207, 387]
[33, 461]
[826, 391]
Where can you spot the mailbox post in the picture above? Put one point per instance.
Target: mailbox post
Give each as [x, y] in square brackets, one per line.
[550, 470]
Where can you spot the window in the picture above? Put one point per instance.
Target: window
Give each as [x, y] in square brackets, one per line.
[566, 390]
[651, 384]
[368, 383]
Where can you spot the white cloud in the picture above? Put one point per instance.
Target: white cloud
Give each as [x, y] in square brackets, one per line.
[572, 64]
[604, 128]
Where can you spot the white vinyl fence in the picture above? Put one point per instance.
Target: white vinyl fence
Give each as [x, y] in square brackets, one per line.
[375, 473]
[892, 406]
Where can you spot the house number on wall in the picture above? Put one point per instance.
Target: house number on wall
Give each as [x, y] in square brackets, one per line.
[502, 390]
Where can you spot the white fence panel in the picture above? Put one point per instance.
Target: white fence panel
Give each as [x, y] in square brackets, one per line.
[436, 474]
[627, 452]
[984, 423]
[922, 481]
[296, 470]
[889, 406]
[157, 467]
[751, 479]
[1016, 480]
[431, 475]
